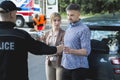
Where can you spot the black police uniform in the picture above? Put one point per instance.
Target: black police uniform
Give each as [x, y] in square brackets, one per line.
[14, 47]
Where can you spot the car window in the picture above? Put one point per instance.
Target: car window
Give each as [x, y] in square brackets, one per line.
[110, 38]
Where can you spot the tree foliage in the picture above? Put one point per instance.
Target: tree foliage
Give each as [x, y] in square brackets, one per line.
[92, 6]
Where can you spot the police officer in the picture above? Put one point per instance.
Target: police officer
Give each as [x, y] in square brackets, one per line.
[15, 45]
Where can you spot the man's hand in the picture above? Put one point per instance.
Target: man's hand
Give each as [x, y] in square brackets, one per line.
[67, 50]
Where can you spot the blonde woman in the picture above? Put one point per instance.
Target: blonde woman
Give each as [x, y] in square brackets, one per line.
[54, 37]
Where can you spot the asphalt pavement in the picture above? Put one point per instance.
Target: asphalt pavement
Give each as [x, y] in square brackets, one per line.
[36, 67]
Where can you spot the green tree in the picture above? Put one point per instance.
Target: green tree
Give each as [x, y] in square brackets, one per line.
[92, 6]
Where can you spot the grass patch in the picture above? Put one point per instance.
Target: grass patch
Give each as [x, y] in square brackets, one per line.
[64, 15]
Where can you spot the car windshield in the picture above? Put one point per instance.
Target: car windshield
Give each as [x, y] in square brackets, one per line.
[103, 20]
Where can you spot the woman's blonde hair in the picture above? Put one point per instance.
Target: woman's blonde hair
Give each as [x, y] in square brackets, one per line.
[53, 15]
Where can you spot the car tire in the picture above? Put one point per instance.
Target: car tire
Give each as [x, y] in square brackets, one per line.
[20, 21]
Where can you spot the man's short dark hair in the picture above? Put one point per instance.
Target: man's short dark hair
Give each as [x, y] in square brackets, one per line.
[73, 6]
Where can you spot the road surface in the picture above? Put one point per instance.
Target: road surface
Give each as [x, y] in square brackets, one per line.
[36, 67]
